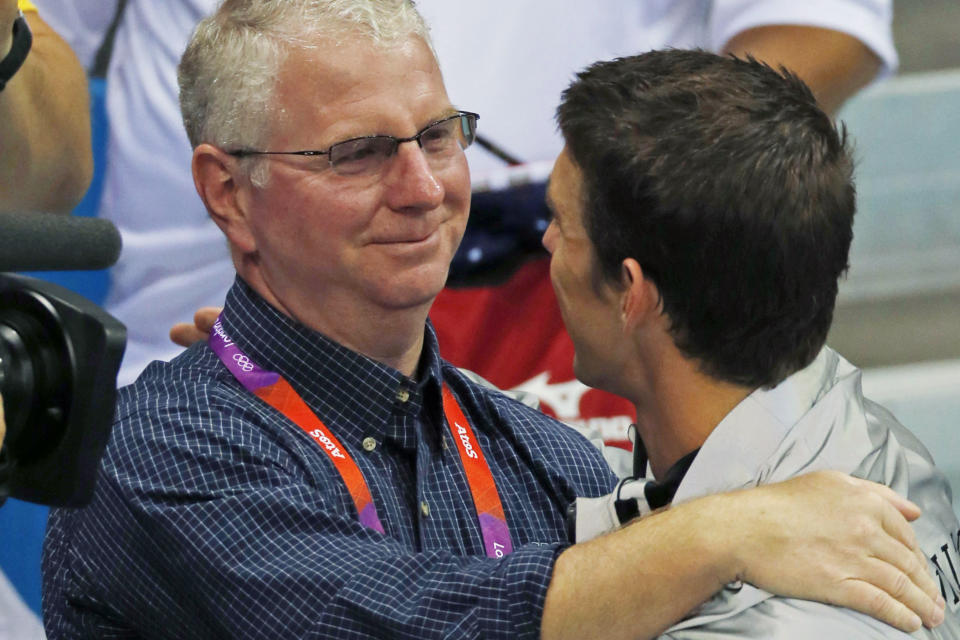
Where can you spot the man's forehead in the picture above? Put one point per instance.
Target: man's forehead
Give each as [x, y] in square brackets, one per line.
[361, 57]
[356, 84]
[564, 186]
[349, 53]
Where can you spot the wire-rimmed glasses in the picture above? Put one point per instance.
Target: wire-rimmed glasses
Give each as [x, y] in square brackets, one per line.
[366, 155]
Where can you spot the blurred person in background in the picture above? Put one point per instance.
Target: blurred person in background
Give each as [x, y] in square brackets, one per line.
[45, 165]
[46, 162]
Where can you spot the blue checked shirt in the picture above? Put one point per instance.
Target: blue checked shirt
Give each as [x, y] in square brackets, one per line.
[216, 517]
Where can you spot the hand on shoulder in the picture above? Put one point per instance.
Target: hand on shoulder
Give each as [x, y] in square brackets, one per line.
[830, 537]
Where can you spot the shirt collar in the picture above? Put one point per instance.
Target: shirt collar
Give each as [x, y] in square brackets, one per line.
[746, 438]
[352, 394]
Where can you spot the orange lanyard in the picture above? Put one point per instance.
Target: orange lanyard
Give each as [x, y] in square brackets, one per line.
[273, 389]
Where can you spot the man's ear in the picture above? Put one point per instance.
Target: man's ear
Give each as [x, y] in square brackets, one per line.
[222, 187]
[640, 297]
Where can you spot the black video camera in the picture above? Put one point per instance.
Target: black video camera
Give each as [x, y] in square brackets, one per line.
[59, 357]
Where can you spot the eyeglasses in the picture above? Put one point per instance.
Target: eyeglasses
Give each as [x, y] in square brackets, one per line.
[440, 141]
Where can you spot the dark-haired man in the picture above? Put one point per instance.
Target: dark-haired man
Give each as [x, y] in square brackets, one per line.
[703, 211]
[45, 165]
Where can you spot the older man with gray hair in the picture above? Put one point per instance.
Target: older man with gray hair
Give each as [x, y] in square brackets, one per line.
[316, 469]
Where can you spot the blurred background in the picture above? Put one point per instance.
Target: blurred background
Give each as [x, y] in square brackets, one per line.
[926, 34]
[900, 301]
[898, 315]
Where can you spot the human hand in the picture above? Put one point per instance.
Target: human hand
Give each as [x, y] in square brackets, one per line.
[185, 334]
[829, 537]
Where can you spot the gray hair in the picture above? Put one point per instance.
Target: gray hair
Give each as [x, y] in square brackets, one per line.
[228, 72]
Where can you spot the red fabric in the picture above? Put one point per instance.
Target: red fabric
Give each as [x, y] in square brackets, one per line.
[511, 333]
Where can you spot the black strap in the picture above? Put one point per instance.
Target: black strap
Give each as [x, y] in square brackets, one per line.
[102, 60]
[661, 492]
[657, 493]
[639, 454]
[22, 41]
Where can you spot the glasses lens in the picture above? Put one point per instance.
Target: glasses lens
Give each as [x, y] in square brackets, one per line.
[468, 129]
[443, 138]
[439, 141]
[362, 155]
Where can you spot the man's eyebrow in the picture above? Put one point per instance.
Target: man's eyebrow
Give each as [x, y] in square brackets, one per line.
[449, 111]
[442, 115]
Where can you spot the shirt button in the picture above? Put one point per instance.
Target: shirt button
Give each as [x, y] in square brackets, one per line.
[369, 444]
[424, 509]
[403, 395]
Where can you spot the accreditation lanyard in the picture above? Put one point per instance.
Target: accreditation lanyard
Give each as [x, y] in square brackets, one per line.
[273, 389]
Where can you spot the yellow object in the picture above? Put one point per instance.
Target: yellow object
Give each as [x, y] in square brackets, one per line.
[26, 5]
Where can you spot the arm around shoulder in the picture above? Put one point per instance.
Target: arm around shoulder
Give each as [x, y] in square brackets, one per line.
[824, 536]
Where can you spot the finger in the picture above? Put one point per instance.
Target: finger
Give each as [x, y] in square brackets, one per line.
[941, 603]
[908, 509]
[205, 317]
[924, 576]
[890, 595]
[877, 603]
[907, 589]
[185, 334]
[911, 587]
[906, 560]
[893, 522]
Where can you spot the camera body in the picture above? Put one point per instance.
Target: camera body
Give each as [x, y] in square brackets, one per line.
[59, 357]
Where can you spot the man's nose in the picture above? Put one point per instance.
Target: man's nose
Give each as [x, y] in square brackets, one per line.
[411, 182]
[549, 237]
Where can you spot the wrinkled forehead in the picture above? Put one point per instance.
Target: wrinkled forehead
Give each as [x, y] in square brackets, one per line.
[344, 69]
[348, 55]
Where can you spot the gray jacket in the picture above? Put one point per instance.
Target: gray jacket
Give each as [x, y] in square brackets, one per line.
[819, 419]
